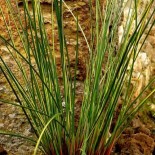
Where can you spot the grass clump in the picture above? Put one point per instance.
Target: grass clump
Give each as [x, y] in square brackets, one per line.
[40, 93]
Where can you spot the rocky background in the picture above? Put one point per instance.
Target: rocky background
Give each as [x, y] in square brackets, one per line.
[138, 139]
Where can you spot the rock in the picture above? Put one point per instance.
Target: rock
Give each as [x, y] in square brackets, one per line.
[129, 131]
[13, 115]
[146, 143]
[152, 32]
[151, 39]
[136, 123]
[136, 144]
[2, 151]
[149, 49]
[143, 129]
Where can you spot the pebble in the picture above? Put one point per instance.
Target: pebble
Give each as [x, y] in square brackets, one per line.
[2, 89]
[12, 115]
[1, 125]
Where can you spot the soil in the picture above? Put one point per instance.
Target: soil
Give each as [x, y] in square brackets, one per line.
[137, 139]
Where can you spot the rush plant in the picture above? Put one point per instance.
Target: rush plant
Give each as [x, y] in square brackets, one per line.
[109, 74]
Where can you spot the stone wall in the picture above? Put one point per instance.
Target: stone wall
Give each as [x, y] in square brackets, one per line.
[144, 68]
